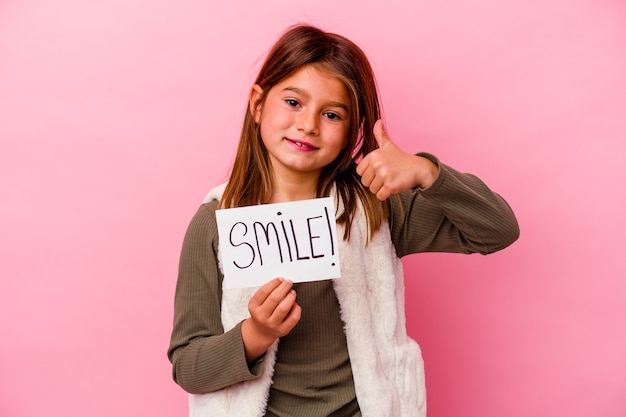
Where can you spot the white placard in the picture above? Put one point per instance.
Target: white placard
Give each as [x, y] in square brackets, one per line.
[295, 240]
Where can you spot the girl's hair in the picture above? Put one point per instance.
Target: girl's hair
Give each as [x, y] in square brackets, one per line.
[251, 180]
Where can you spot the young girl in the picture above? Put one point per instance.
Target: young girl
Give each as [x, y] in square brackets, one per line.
[332, 347]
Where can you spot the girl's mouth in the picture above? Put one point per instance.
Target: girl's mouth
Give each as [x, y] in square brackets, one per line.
[302, 145]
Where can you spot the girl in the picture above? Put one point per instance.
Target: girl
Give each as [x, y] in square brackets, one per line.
[333, 347]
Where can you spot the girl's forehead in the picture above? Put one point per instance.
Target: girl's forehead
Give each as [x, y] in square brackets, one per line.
[310, 80]
[311, 73]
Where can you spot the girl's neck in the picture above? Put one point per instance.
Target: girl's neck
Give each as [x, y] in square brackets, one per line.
[293, 189]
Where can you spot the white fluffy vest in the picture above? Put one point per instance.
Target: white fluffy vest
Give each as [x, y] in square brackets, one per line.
[386, 364]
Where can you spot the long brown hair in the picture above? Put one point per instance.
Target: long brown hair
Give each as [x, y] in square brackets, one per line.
[251, 180]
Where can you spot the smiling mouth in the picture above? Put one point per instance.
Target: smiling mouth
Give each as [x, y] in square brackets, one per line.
[301, 144]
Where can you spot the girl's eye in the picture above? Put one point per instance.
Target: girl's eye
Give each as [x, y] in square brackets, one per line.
[292, 102]
[332, 116]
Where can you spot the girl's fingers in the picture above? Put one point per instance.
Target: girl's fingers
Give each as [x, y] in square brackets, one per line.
[292, 318]
[278, 294]
[273, 303]
[283, 308]
[259, 297]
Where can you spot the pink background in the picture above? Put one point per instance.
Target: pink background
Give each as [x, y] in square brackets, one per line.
[116, 117]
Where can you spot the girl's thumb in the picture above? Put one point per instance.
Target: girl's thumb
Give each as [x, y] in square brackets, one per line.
[379, 133]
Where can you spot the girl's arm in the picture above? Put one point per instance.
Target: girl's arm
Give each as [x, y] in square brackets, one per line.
[456, 213]
[203, 357]
[439, 208]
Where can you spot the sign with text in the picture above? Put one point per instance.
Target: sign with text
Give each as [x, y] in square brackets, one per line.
[295, 240]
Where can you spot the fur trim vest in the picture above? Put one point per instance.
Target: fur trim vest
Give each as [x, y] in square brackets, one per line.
[387, 365]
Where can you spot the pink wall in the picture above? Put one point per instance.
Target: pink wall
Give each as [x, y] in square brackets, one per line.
[116, 117]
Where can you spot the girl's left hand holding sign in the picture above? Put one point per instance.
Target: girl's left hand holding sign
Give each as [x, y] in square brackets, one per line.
[389, 170]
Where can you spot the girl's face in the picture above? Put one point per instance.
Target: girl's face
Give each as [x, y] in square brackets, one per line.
[304, 121]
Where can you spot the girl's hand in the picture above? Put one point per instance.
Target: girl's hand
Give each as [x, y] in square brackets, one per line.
[389, 170]
[273, 313]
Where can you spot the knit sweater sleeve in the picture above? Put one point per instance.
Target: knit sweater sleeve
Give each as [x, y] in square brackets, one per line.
[204, 358]
[457, 213]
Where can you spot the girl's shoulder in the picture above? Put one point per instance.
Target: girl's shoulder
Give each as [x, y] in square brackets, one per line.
[210, 206]
[210, 203]
[204, 223]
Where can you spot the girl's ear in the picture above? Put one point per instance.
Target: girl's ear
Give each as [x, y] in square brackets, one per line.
[256, 93]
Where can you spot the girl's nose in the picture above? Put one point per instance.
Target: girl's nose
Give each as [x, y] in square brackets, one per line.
[307, 123]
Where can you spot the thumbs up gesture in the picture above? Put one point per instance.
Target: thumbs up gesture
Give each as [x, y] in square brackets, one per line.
[389, 170]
